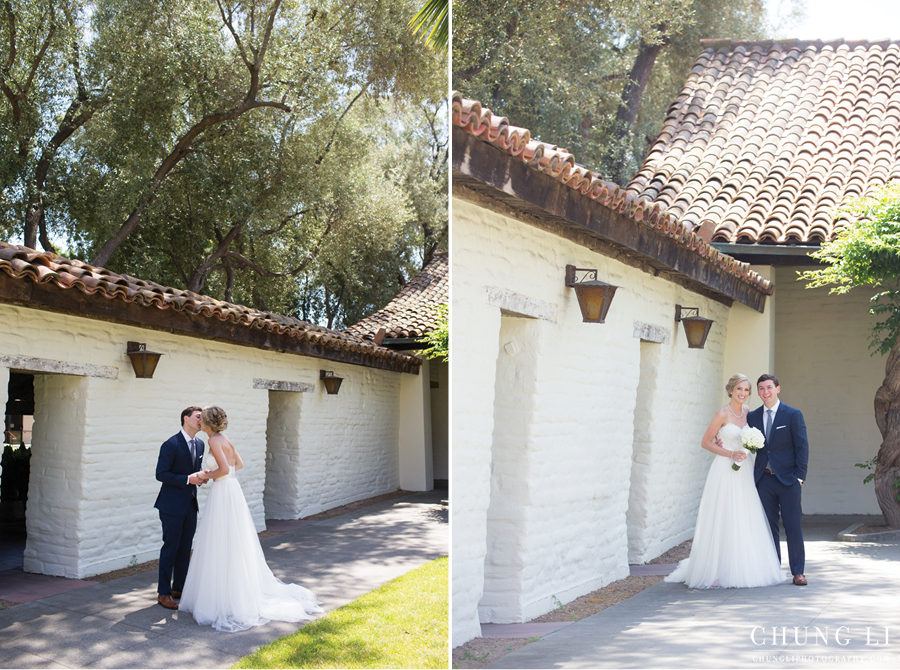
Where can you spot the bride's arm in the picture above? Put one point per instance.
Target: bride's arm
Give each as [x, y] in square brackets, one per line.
[215, 448]
[709, 437]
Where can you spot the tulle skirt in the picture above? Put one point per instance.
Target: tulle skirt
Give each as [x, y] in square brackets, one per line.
[733, 545]
[229, 586]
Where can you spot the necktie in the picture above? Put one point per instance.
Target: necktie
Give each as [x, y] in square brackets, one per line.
[768, 424]
[194, 449]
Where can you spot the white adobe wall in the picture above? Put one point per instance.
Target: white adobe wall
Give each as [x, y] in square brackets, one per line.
[416, 458]
[348, 446]
[750, 348]
[825, 368]
[574, 435]
[55, 492]
[284, 455]
[102, 480]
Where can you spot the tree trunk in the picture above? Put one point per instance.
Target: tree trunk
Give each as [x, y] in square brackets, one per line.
[208, 121]
[78, 114]
[630, 105]
[887, 416]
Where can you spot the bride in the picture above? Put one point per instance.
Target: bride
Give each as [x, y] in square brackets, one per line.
[228, 584]
[733, 544]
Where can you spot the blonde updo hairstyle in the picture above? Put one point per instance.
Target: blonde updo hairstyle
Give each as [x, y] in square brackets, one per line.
[729, 387]
[215, 418]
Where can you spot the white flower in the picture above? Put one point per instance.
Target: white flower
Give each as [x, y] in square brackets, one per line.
[752, 439]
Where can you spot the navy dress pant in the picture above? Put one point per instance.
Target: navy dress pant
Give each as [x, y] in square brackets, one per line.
[778, 497]
[178, 535]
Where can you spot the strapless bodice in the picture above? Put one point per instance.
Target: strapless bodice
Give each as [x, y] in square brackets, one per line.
[211, 464]
[730, 434]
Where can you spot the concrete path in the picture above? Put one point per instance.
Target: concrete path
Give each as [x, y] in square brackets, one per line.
[852, 600]
[119, 625]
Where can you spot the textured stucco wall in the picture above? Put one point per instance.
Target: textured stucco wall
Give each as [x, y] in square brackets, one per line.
[750, 348]
[96, 440]
[544, 420]
[825, 368]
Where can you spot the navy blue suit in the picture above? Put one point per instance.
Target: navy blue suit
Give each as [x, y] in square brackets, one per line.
[786, 454]
[177, 505]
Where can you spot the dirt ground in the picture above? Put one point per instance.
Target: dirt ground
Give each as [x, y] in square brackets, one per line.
[479, 652]
[865, 530]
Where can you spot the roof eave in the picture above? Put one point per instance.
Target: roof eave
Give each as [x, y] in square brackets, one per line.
[568, 213]
[50, 297]
[770, 254]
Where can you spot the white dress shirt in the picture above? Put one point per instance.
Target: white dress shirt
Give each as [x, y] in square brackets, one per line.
[189, 440]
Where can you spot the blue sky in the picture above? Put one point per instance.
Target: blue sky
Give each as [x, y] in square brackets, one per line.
[872, 20]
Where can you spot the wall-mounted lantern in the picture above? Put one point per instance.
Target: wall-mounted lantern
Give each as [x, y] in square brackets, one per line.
[143, 361]
[594, 296]
[696, 328]
[332, 383]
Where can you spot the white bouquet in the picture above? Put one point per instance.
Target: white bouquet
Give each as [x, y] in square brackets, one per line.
[751, 440]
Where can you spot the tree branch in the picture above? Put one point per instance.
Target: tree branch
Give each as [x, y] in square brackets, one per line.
[511, 27]
[227, 20]
[250, 264]
[11, 19]
[338, 124]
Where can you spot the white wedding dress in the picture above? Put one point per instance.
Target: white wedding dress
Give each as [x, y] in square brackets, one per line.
[733, 544]
[229, 586]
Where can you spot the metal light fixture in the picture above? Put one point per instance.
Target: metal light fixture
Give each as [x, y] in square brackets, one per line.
[143, 361]
[696, 328]
[332, 383]
[594, 296]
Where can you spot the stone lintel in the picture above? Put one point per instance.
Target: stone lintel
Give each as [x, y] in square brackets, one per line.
[276, 385]
[516, 304]
[30, 364]
[650, 333]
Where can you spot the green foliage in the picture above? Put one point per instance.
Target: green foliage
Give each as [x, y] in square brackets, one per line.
[403, 624]
[868, 465]
[867, 253]
[439, 338]
[322, 182]
[433, 18]
[559, 69]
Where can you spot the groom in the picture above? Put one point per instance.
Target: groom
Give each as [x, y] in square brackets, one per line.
[177, 468]
[781, 468]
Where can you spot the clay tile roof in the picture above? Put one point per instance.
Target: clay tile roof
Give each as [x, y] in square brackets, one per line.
[798, 128]
[414, 312]
[76, 277]
[656, 211]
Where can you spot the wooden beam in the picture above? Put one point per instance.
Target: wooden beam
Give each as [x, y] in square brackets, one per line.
[560, 209]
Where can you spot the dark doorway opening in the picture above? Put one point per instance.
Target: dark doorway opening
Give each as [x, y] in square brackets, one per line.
[16, 458]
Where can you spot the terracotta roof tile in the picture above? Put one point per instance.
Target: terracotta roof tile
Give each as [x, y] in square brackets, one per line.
[39, 267]
[655, 210]
[798, 127]
[414, 312]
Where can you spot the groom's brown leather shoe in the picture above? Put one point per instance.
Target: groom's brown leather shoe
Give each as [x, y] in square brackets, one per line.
[800, 580]
[167, 602]
[176, 594]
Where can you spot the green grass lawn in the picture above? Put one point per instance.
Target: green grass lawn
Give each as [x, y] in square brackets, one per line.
[403, 624]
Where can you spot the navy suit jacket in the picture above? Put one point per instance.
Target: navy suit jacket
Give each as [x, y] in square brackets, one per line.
[175, 464]
[787, 452]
